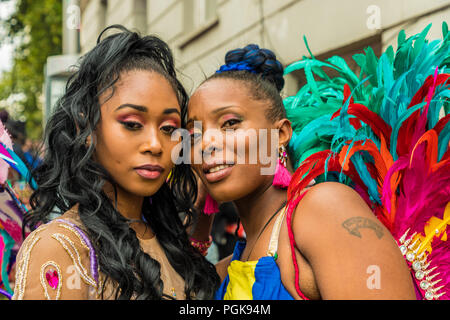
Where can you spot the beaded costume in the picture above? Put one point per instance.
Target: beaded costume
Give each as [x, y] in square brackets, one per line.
[64, 264]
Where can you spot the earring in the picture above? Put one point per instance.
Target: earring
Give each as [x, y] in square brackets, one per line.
[211, 205]
[88, 141]
[282, 176]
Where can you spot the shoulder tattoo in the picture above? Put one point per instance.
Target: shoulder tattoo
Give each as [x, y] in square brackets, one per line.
[353, 225]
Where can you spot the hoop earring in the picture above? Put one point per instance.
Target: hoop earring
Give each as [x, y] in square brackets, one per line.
[282, 176]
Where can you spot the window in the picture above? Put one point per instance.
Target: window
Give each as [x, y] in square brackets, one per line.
[204, 11]
[198, 13]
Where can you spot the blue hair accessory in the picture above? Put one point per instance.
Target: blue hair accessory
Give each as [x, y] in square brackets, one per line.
[236, 66]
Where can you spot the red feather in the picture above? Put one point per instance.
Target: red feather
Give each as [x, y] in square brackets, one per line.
[406, 135]
[428, 83]
[373, 120]
[347, 94]
[440, 125]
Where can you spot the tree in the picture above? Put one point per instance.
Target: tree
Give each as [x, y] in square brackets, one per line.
[36, 30]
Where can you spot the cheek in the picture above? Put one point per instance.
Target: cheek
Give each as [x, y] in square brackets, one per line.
[247, 174]
[109, 156]
[246, 147]
[171, 151]
[111, 148]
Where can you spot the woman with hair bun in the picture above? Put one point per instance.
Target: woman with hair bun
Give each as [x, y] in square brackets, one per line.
[122, 234]
[321, 258]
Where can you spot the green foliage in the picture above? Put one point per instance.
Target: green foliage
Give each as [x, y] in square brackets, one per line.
[35, 28]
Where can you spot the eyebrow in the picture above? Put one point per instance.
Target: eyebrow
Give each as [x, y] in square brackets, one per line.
[133, 106]
[171, 110]
[218, 110]
[145, 109]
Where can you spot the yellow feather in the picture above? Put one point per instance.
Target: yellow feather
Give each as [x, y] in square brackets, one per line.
[435, 227]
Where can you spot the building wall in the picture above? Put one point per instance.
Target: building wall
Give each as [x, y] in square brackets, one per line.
[97, 14]
[93, 21]
[199, 43]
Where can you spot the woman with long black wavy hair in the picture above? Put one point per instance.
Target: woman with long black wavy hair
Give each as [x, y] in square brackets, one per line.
[108, 168]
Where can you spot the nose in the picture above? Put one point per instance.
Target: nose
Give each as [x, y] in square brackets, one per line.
[212, 142]
[151, 143]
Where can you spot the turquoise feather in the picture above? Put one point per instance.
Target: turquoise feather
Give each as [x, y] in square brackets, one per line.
[385, 84]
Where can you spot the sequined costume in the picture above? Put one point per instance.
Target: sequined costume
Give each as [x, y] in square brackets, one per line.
[57, 261]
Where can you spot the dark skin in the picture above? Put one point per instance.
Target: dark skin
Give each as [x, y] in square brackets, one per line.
[135, 129]
[333, 262]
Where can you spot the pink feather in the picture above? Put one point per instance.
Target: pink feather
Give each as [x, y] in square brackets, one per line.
[422, 193]
[13, 229]
[211, 206]
[387, 193]
[6, 140]
[282, 176]
[2, 247]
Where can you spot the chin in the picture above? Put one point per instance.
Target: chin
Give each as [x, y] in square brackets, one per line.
[146, 193]
[230, 189]
[147, 189]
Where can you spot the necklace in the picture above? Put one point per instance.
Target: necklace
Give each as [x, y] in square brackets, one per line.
[263, 228]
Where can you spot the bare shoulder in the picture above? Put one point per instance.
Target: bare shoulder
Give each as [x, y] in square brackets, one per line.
[329, 195]
[222, 267]
[334, 203]
[332, 209]
[340, 235]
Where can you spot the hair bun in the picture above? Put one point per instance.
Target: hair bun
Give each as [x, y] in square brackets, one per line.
[259, 60]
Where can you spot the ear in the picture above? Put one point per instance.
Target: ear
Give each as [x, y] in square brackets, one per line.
[285, 131]
[88, 140]
[284, 136]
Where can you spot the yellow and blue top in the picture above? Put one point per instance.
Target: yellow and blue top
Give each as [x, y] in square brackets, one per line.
[255, 280]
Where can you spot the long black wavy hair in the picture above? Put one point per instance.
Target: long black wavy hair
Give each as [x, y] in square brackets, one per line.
[68, 175]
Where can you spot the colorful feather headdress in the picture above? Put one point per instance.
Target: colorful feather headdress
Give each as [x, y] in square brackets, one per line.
[11, 210]
[384, 132]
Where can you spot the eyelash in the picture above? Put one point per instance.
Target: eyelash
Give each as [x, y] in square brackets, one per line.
[131, 125]
[196, 136]
[170, 130]
[234, 122]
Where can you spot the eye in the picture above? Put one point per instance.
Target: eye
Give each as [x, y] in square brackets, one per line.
[168, 129]
[231, 123]
[131, 125]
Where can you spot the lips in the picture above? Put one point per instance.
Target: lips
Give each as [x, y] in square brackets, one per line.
[149, 171]
[216, 172]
